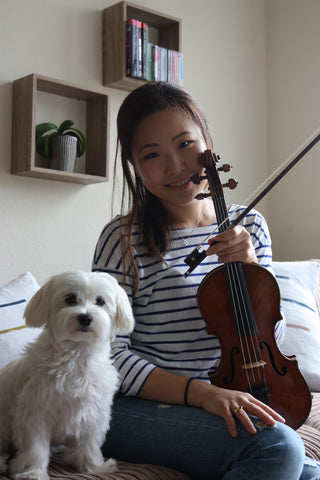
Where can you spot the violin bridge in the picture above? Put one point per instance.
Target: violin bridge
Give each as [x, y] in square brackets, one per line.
[259, 363]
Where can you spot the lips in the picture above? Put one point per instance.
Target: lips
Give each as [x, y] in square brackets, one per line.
[180, 184]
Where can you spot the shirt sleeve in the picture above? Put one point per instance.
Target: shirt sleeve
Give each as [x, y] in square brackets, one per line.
[133, 370]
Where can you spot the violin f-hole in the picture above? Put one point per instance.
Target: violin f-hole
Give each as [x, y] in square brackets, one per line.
[283, 369]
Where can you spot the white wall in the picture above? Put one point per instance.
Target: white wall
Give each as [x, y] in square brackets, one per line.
[48, 226]
[293, 106]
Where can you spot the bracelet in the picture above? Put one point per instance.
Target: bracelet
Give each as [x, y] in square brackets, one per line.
[186, 392]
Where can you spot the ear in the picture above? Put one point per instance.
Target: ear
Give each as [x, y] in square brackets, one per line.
[38, 308]
[124, 321]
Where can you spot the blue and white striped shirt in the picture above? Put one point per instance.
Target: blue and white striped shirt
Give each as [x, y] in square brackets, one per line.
[169, 330]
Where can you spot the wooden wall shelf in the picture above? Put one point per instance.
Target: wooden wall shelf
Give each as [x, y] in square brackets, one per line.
[114, 40]
[23, 160]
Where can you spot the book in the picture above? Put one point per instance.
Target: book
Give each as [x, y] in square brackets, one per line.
[163, 64]
[145, 32]
[147, 60]
[150, 62]
[132, 47]
[175, 67]
[129, 47]
[139, 48]
[156, 67]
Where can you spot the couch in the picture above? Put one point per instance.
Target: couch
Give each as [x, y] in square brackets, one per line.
[299, 284]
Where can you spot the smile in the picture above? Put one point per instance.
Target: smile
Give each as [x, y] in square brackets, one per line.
[180, 184]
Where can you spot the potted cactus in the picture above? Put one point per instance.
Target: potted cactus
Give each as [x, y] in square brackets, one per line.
[61, 144]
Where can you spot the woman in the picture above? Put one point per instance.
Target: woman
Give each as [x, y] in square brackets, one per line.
[167, 412]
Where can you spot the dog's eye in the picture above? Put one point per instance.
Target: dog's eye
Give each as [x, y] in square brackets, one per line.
[100, 301]
[71, 299]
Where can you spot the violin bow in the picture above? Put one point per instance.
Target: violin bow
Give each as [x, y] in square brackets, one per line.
[196, 256]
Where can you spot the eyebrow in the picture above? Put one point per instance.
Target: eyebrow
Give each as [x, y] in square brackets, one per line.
[180, 135]
[150, 145]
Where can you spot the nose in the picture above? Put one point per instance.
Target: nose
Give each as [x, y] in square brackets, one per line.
[174, 164]
[84, 319]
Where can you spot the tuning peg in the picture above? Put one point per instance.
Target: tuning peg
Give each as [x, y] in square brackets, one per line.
[202, 196]
[225, 168]
[231, 183]
[197, 179]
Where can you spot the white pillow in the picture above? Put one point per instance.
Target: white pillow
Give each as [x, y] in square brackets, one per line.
[13, 299]
[299, 283]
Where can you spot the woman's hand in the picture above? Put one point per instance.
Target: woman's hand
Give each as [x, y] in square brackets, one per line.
[233, 245]
[231, 405]
[168, 387]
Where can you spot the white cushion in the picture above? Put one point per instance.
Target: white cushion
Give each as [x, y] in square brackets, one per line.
[13, 299]
[299, 287]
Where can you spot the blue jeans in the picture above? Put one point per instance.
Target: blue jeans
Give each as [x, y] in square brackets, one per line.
[192, 441]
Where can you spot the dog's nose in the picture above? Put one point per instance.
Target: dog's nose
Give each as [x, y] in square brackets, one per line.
[84, 319]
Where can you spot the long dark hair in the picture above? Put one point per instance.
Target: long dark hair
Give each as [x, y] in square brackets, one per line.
[142, 206]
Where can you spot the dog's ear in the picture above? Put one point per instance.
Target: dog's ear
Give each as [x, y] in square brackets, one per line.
[37, 309]
[124, 321]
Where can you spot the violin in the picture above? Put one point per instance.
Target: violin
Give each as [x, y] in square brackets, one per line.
[240, 304]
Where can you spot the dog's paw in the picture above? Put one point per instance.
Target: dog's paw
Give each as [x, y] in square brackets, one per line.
[31, 475]
[109, 466]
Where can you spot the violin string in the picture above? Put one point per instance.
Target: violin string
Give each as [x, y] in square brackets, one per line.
[252, 334]
[235, 292]
[252, 344]
[241, 303]
[250, 339]
[245, 325]
[238, 317]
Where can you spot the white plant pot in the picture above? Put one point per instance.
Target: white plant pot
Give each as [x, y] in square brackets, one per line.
[64, 151]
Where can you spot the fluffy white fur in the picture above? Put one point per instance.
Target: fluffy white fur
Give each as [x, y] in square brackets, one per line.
[60, 391]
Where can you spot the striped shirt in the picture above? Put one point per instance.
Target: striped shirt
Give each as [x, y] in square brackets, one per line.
[169, 330]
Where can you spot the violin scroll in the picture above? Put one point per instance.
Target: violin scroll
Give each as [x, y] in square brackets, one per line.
[210, 159]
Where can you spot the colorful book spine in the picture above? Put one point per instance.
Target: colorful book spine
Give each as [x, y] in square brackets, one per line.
[145, 32]
[156, 66]
[129, 47]
[132, 47]
[148, 61]
[139, 53]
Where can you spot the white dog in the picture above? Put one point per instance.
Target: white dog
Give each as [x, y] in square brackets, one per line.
[60, 391]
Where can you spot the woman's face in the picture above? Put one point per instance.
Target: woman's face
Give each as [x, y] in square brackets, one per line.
[166, 150]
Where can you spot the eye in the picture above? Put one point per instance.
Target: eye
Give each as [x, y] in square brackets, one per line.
[100, 301]
[71, 299]
[185, 143]
[151, 155]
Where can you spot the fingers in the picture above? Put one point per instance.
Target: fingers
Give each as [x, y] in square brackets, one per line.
[266, 414]
[243, 417]
[231, 414]
[234, 406]
[233, 245]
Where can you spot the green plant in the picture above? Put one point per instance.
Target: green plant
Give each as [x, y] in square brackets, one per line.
[46, 131]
